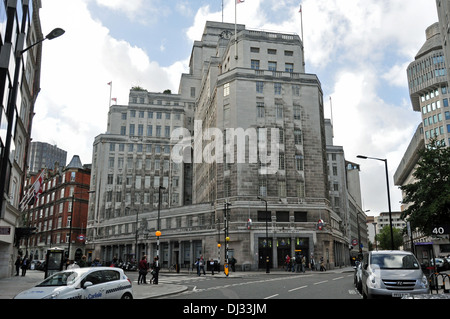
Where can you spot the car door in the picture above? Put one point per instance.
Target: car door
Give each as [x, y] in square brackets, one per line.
[114, 284]
[93, 285]
[364, 270]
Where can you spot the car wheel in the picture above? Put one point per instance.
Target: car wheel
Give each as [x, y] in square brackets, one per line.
[127, 296]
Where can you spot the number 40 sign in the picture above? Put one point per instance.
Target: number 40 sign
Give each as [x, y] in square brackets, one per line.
[440, 230]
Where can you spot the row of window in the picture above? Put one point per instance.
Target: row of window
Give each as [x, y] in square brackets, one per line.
[281, 189]
[279, 111]
[435, 119]
[272, 66]
[159, 115]
[436, 132]
[434, 106]
[260, 85]
[158, 148]
[149, 130]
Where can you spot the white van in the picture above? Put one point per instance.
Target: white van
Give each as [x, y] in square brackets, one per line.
[392, 273]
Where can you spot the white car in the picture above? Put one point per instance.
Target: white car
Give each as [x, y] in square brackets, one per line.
[82, 283]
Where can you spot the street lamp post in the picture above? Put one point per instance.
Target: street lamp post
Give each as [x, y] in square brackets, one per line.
[267, 239]
[375, 237]
[158, 228]
[72, 217]
[11, 109]
[227, 238]
[388, 193]
[137, 235]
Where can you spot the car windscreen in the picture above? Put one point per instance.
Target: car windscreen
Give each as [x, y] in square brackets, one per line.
[59, 279]
[395, 261]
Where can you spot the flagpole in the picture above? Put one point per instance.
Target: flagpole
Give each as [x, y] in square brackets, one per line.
[235, 29]
[110, 93]
[303, 42]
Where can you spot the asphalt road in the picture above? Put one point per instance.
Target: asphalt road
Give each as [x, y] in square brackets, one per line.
[261, 286]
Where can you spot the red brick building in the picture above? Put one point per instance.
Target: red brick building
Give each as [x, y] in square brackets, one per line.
[59, 216]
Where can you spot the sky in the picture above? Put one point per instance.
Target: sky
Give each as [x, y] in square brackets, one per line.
[359, 49]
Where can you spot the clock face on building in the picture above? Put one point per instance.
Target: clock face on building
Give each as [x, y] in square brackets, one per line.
[226, 34]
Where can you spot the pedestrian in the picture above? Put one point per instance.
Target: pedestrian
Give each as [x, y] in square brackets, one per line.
[322, 266]
[202, 265]
[143, 270]
[233, 264]
[288, 262]
[82, 263]
[293, 262]
[24, 266]
[298, 263]
[17, 264]
[313, 263]
[303, 264]
[155, 270]
[211, 265]
[197, 266]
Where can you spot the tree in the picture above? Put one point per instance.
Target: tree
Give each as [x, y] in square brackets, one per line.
[429, 195]
[384, 238]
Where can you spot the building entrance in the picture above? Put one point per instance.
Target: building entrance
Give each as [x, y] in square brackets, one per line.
[265, 251]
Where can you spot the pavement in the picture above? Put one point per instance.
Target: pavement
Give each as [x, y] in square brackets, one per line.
[9, 287]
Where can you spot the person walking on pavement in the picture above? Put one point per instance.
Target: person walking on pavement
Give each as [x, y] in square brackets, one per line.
[17, 264]
[303, 264]
[24, 266]
[202, 265]
[322, 266]
[211, 265]
[155, 270]
[143, 270]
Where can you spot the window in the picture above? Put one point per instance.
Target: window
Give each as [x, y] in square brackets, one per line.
[263, 216]
[254, 50]
[300, 217]
[262, 187]
[298, 136]
[272, 66]
[277, 88]
[255, 64]
[289, 67]
[279, 111]
[281, 161]
[297, 112]
[131, 129]
[260, 109]
[259, 87]
[226, 89]
[288, 53]
[140, 130]
[281, 188]
[283, 217]
[299, 162]
[271, 51]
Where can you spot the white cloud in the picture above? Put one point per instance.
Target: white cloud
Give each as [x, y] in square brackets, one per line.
[72, 107]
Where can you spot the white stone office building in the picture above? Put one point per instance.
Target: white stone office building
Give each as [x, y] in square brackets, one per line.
[255, 82]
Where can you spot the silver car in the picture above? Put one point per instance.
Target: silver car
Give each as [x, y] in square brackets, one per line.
[82, 283]
[392, 273]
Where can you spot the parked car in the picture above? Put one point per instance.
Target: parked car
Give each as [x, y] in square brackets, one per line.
[82, 283]
[392, 273]
[357, 276]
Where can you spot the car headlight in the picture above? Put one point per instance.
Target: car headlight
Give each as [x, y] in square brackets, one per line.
[423, 283]
[373, 281]
[53, 295]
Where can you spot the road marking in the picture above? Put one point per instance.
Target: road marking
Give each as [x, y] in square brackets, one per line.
[297, 288]
[271, 296]
[338, 278]
[320, 282]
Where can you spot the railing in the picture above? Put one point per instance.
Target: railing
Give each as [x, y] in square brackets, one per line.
[439, 282]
